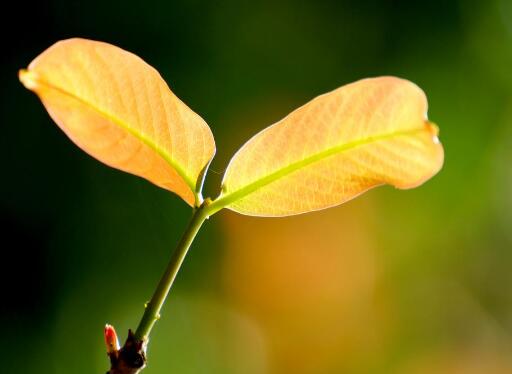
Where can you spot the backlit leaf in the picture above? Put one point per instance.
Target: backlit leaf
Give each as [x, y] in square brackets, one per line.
[335, 147]
[118, 109]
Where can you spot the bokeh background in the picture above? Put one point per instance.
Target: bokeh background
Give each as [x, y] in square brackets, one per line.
[406, 282]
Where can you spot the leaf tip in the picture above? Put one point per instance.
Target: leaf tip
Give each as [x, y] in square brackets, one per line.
[28, 78]
[433, 129]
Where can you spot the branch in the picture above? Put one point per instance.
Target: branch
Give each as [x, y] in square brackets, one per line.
[131, 358]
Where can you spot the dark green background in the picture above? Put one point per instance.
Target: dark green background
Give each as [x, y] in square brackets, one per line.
[83, 244]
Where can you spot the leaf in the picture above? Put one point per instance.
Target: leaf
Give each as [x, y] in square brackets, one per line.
[335, 147]
[118, 109]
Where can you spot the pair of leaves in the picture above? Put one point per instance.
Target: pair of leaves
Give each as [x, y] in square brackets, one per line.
[118, 109]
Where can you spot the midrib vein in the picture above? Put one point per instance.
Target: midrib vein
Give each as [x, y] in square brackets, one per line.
[125, 127]
[233, 196]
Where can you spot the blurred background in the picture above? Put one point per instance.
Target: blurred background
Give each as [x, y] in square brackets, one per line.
[407, 282]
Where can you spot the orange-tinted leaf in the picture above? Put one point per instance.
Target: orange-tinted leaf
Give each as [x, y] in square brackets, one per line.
[335, 147]
[118, 109]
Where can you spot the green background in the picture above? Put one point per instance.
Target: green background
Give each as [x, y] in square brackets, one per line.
[83, 244]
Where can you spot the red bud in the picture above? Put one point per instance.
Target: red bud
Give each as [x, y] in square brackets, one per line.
[111, 339]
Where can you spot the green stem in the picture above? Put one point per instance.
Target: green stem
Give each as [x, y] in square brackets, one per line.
[152, 312]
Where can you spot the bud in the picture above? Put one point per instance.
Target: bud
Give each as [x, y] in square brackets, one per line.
[111, 339]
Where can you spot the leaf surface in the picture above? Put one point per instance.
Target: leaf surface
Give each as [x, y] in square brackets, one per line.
[333, 148]
[118, 109]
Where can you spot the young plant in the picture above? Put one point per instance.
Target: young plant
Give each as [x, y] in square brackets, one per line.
[119, 110]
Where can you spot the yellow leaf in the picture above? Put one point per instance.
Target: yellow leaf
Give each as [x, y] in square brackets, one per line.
[335, 147]
[118, 109]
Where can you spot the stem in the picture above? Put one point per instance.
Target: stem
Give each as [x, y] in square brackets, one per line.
[152, 312]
